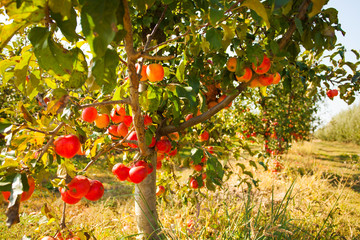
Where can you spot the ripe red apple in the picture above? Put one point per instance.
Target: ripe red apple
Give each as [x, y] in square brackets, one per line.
[246, 77]
[117, 114]
[143, 71]
[113, 130]
[163, 146]
[263, 67]
[197, 167]
[204, 136]
[79, 186]
[89, 114]
[210, 149]
[231, 64]
[221, 98]
[277, 78]
[172, 152]
[67, 146]
[160, 190]
[158, 164]
[127, 120]
[148, 166]
[48, 238]
[96, 190]
[193, 183]
[121, 171]
[102, 120]
[203, 176]
[188, 117]
[122, 130]
[138, 174]
[67, 198]
[266, 79]
[147, 120]
[155, 72]
[133, 137]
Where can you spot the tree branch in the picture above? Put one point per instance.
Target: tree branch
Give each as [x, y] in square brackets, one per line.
[301, 15]
[160, 58]
[106, 150]
[134, 82]
[150, 37]
[124, 101]
[62, 223]
[206, 115]
[51, 140]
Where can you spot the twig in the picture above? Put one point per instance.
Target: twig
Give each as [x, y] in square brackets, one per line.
[124, 101]
[62, 223]
[52, 133]
[301, 15]
[206, 115]
[168, 41]
[108, 149]
[150, 37]
[160, 58]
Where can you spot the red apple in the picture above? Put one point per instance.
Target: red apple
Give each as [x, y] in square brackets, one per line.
[67, 146]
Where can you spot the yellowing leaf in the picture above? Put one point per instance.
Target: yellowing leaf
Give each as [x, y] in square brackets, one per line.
[263, 91]
[8, 31]
[316, 8]
[259, 8]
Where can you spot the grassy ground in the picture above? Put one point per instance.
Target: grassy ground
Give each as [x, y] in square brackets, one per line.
[315, 196]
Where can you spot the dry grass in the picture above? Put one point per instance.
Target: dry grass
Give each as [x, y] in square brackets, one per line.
[311, 197]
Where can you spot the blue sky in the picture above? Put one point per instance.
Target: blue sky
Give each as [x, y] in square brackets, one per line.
[349, 18]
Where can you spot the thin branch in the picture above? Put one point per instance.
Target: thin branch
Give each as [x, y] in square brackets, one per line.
[106, 150]
[150, 37]
[168, 41]
[206, 115]
[160, 58]
[62, 223]
[301, 15]
[124, 101]
[51, 140]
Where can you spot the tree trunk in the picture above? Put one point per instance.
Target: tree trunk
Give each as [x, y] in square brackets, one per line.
[145, 204]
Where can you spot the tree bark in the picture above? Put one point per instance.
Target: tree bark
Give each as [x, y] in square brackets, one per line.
[145, 204]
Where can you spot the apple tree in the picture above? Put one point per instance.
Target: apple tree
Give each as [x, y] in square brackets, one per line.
[157, 70]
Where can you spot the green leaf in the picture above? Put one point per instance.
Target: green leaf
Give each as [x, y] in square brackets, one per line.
[187, 93]
[213, 36]
[50, 55]
[214, 170]
[8, 31]
[104, 71]
[61, 6]
[99, 24]
[196, 155]
[259, 8]
[299, 26]
[316, 7]
[67, 26]
[180, 71]
[280, 3]
[216, 15]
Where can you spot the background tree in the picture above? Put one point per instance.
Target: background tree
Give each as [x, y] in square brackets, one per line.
[82, 54]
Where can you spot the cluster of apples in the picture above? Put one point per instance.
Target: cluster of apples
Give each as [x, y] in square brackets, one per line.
[79, 187]
[117, 115]
[26, 194]
[260, 78]
[331, 93]
[135, 174]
